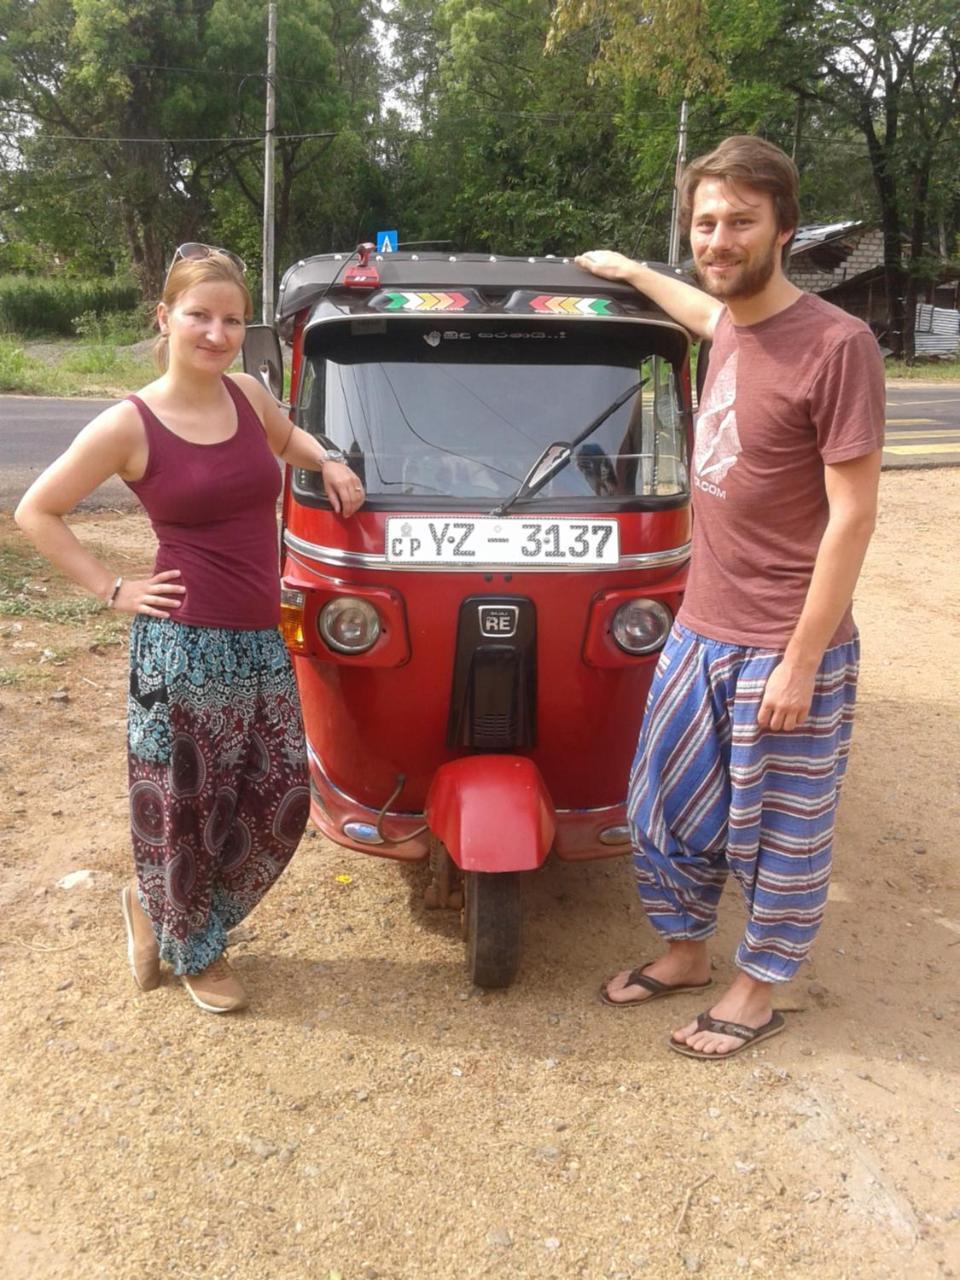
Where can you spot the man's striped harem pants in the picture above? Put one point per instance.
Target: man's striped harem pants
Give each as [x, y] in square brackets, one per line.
[711, 793]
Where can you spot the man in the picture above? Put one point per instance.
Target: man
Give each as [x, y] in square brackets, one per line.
[747, 728]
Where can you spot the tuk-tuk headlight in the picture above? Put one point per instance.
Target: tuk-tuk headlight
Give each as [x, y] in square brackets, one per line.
[641, 626]
[349, 625]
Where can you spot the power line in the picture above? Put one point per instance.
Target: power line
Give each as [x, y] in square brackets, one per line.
[253, 137]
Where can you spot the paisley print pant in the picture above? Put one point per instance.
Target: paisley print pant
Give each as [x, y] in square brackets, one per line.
[218, 778]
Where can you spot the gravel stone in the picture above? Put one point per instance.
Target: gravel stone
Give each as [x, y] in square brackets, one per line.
[499, 1238]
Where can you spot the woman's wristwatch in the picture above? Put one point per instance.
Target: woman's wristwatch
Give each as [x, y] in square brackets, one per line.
[333, 455]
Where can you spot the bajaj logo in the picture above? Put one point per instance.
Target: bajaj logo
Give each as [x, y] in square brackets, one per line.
[498, 620]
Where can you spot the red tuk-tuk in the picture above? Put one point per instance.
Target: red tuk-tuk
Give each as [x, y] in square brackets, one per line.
[474, 647]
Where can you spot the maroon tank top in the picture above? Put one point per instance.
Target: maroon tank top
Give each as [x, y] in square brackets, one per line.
[213, 508]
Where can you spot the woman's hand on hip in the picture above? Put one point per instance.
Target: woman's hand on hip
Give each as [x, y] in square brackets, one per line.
[342, 486]
[157, 597]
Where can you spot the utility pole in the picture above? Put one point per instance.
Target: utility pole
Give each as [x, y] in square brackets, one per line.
[673, 254]
[268, 179]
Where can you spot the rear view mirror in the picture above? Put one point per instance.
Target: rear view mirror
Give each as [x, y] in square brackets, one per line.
[262, 357]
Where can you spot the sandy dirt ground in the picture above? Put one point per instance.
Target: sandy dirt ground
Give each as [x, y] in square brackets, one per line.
[372, 1115]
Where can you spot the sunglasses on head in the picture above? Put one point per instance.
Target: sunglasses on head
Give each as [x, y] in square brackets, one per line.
[193, 251]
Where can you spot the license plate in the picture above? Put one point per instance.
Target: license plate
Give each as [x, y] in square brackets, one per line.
[485, 540]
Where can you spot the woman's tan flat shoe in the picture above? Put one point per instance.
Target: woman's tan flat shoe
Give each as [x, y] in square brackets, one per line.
[143, 952]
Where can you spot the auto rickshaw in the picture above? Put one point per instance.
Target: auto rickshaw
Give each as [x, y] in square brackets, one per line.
[474, 647]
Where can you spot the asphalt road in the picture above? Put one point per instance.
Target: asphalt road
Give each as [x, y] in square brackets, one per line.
[923, 425]
[33, 431]
[923, 429]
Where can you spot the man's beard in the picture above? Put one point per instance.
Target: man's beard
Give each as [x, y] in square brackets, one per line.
[745, 281]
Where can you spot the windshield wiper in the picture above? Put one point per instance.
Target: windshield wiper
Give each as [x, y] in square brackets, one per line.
[556, 456]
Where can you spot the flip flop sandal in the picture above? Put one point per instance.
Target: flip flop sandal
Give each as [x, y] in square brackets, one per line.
[656, 988]
[749, 1036]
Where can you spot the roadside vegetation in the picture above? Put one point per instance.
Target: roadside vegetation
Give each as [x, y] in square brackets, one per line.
[72, 368]
[61, 336]
[31, 590]
[925, 370]
[516, 127]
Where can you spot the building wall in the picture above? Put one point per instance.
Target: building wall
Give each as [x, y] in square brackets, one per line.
[867, 254]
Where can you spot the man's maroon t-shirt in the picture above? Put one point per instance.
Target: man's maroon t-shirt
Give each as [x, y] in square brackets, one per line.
[782, 397]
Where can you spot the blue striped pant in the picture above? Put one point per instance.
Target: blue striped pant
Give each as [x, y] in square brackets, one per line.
[711, 793]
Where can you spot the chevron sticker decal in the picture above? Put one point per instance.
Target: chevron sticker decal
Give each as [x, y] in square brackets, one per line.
[406, 300]
[554, 304]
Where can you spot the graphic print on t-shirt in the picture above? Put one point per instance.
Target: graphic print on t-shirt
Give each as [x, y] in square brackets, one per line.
[717, 445]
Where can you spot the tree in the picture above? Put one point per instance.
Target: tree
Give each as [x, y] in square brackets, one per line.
[887, 71]
[155, 109]
[498, 146]
[891, 70]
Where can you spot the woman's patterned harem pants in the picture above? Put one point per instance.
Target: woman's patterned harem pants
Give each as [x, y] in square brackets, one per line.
[218, 778]
[711, 793]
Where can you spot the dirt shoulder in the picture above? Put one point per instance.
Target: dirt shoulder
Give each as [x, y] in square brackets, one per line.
[373, 1116]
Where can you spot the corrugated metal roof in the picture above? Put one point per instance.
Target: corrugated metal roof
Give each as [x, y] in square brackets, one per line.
[820, 233]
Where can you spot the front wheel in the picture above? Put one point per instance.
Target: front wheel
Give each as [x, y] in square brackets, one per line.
[492, 926]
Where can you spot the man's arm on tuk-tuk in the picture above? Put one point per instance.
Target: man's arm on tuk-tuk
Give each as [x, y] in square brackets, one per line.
[689, 306]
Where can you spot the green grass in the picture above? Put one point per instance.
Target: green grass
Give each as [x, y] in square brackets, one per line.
[61, 305]
[23, 374]
[925, 370]
[22, 596]
[73, 368]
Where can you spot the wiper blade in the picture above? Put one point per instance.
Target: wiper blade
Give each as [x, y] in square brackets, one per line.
[555, 456]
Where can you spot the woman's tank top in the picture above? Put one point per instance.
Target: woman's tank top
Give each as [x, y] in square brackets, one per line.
[213, 509]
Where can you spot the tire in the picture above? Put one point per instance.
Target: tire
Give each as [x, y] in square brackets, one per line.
[492, 927]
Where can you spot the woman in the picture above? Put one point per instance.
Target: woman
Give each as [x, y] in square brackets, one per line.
[218, 782]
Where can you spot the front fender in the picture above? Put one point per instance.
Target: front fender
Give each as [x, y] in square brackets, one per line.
[493, 813]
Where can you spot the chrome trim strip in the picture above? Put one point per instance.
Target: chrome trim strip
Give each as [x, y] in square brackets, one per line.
[369, 560]
[348, 799]
[607, 809]
[601, 809]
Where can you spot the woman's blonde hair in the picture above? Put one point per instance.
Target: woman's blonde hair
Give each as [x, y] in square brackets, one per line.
[187, 273]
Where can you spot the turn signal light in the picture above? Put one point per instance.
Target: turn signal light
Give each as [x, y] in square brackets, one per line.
[291, 619]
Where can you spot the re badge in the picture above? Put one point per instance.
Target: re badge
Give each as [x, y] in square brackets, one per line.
[498, 621]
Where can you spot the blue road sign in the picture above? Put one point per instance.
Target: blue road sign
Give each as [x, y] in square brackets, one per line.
[386, 242]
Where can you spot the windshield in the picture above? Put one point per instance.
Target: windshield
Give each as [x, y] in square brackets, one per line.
[462, 414]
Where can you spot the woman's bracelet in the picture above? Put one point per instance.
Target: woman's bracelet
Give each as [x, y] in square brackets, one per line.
[112, 597]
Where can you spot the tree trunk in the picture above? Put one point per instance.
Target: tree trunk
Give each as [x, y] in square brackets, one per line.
[918, 244]
[893, 274]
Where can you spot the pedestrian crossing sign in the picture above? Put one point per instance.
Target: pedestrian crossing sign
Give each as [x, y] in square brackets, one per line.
[386, 242]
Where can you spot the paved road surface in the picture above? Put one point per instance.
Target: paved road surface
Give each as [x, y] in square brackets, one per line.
[923, 425]
[923, 429]
[33, 431]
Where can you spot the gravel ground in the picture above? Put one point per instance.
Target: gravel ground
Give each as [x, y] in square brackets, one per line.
[372, 1115]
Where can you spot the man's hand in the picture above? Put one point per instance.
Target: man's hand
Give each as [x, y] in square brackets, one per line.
[606, 263]
[786, 698]
[691, 307]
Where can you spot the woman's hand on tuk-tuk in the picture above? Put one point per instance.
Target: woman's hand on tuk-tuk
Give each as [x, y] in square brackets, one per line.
[342, 486]
[297, 448]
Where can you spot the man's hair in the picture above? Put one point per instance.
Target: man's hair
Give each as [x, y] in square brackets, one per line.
[744, 160]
